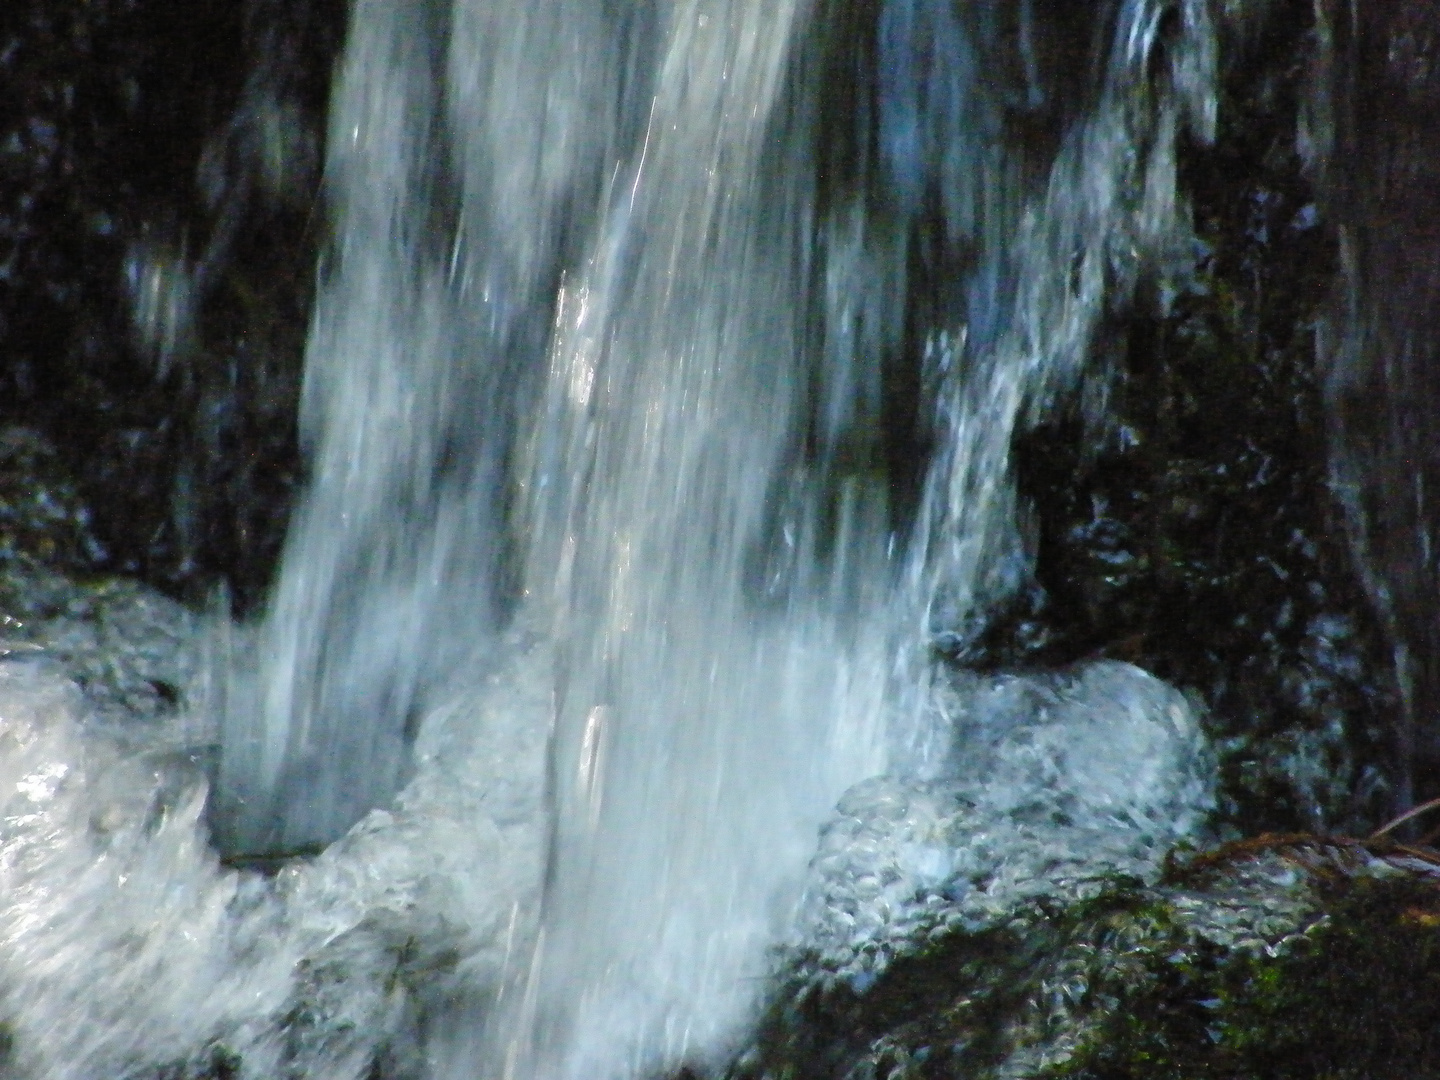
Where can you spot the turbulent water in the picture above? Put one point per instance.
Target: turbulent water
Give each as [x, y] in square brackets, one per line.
[658, 406]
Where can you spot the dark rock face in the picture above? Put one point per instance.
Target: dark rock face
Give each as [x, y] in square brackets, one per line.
[1375, 146]
[147, 145]
[1181, 516]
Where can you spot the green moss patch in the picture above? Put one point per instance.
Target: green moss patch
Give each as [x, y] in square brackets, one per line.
[1288, 957]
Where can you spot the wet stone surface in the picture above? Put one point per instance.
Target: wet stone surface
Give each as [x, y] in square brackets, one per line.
[1289, 957]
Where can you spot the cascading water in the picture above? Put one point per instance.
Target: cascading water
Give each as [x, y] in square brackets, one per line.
[606, 565]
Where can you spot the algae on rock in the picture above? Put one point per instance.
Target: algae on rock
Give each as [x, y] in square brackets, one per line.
[1287, 957]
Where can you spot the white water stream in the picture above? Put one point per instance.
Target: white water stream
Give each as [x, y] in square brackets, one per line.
[599, 566]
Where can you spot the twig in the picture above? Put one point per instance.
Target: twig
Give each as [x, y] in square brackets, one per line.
[1413, 812]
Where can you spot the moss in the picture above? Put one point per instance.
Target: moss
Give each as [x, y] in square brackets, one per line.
[962, 1005]
[1290, 957]
[1358, 996]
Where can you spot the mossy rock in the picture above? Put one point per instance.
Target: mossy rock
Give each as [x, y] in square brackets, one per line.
[1355, 996]
[1286, 957]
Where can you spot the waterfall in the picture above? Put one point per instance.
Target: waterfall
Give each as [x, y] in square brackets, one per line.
[594, 343]
[658, 406]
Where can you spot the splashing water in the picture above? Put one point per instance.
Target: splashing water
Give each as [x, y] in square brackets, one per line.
[606, 565]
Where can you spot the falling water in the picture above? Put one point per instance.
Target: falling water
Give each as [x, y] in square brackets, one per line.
[633, 321]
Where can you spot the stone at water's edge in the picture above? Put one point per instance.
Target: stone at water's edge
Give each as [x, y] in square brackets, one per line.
[134, 654]
[1057, 782]
[1294, 958]
[1032, 916]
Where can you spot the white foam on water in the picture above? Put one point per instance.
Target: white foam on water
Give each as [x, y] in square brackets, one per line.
[128, 949]
[1058, 782]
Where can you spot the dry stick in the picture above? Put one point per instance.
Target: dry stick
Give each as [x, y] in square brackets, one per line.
[1414, 811]
[1278, 843]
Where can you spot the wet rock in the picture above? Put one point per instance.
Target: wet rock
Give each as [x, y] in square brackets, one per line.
[134, 653]
[1288, 956]
[1059, 781]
